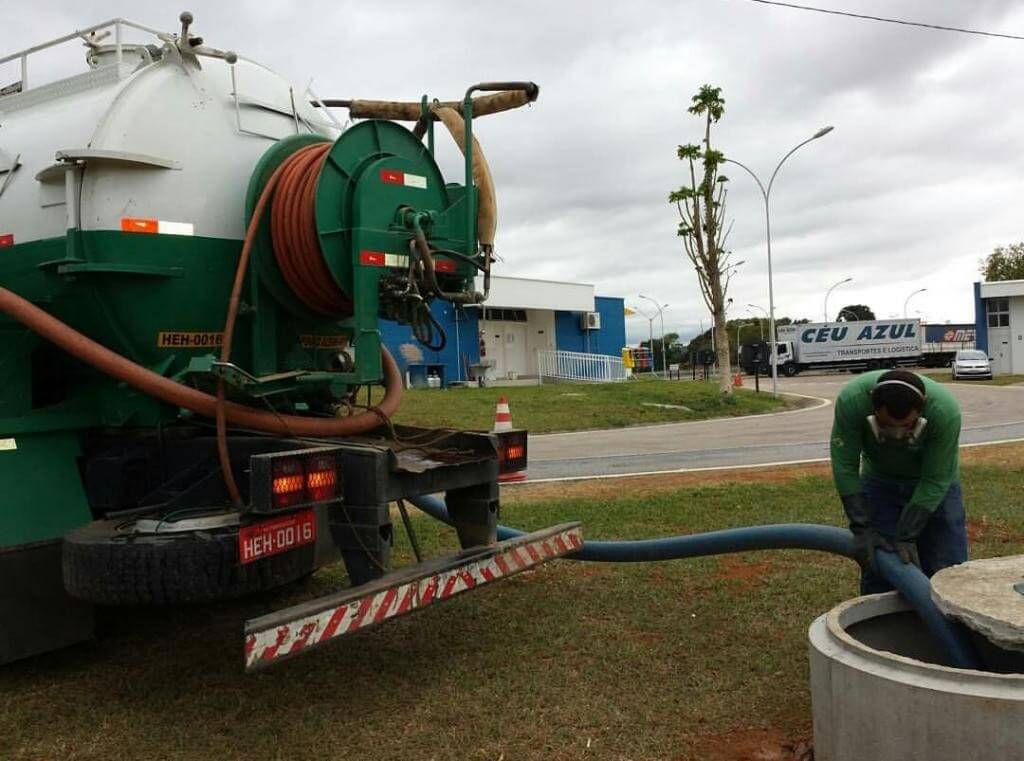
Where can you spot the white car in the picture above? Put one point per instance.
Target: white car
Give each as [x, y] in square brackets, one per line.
[971, 363]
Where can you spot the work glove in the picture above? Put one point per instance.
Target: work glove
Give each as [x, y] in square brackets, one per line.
[912, 521]
[865, 538]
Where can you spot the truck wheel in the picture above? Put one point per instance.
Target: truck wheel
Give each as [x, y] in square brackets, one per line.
[105, 564]
[790, 370]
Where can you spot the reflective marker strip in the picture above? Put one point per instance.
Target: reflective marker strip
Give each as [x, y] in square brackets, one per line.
[6, 241]
[266, 645]
[381, 259]
[175, 228]
[395, 177]
[444, 265]
[155, 226]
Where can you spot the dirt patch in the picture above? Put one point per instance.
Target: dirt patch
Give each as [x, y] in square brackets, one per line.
[991, 531]
[753, 745]
[642, 486]
[747, 574]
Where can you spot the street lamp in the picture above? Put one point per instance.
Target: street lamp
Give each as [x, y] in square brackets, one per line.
[829, 293]
[759, 325]
[768, 237]
[664, 366]
[912, 295]
[739, 331]
[650, 329]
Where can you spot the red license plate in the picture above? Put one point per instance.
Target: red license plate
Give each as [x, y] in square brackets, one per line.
[261, 540]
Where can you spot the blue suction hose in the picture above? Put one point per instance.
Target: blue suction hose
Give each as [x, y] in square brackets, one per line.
[907, 579]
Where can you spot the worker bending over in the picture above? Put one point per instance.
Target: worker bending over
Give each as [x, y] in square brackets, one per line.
[896, 466]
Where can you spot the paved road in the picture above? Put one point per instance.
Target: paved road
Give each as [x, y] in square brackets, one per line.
[991, 413]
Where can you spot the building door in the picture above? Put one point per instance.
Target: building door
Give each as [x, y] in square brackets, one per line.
[515, 349]
[496, 348]
[1000, 351]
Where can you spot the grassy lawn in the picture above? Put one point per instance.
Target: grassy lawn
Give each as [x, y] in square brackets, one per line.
[945, 376]
[696, 659]
[579, 406]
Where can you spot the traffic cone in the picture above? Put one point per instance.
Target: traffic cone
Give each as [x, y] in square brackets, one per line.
[502, 415]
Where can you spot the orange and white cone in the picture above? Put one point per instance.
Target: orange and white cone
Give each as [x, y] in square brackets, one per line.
[502, 415]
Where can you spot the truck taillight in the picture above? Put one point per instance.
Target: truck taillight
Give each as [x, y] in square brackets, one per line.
[321, 478]
[283, 480]
[512, 455]
[289, 484]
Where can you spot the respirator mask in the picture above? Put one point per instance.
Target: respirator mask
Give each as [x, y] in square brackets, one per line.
[899, 434]
[909, 436]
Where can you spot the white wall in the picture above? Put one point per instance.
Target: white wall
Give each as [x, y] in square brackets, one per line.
[520, 293]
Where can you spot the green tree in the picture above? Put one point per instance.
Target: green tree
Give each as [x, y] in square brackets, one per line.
[855, 312]
[700, 202]
[1004, 263]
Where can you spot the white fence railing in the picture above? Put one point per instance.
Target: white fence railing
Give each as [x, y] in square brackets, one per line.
[577, 366]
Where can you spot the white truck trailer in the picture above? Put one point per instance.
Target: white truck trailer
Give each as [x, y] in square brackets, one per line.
[856, 346]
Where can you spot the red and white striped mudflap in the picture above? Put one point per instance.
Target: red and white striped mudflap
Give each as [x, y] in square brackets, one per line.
[289, 632]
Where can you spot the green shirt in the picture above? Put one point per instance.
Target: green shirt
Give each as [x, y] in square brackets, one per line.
[933, 464]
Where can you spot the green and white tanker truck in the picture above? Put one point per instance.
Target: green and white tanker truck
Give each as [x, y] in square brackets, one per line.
[194, 257]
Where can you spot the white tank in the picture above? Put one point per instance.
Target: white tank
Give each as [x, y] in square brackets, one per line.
[161, 134]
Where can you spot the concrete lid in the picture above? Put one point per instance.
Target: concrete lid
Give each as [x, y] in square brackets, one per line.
[986, 596]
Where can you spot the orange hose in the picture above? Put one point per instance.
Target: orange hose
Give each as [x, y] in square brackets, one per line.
[293, 228]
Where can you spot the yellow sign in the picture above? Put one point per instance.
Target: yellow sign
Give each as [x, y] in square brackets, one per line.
[323, 342]
[176, 339]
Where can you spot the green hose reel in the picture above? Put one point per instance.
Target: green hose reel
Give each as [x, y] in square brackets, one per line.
[378, 185]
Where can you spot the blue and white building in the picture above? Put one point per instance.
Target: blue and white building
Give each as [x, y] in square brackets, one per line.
[999, 323]
[503, 339]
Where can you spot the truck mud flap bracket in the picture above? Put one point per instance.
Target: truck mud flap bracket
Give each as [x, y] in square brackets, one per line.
[298, 629]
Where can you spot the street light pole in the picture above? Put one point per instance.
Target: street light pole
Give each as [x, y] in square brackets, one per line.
[829, 293]
[912, 295]
[650, 331]
[760, 327]
[661, 315]
[766, 193]
[739, 331]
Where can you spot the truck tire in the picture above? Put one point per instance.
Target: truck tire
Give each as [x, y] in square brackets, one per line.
[110, 567]
[789, 370]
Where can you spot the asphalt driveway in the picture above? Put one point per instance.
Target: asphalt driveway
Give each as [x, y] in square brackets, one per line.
[991, 413]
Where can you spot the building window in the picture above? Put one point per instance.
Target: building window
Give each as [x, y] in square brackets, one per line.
[998, 313]
[505, 315]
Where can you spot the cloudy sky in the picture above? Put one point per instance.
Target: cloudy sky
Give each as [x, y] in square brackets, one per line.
[923, 175]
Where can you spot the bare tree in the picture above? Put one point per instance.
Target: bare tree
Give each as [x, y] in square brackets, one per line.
[701, 206]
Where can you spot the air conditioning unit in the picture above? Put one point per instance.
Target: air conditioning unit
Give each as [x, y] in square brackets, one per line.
[590, 321]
